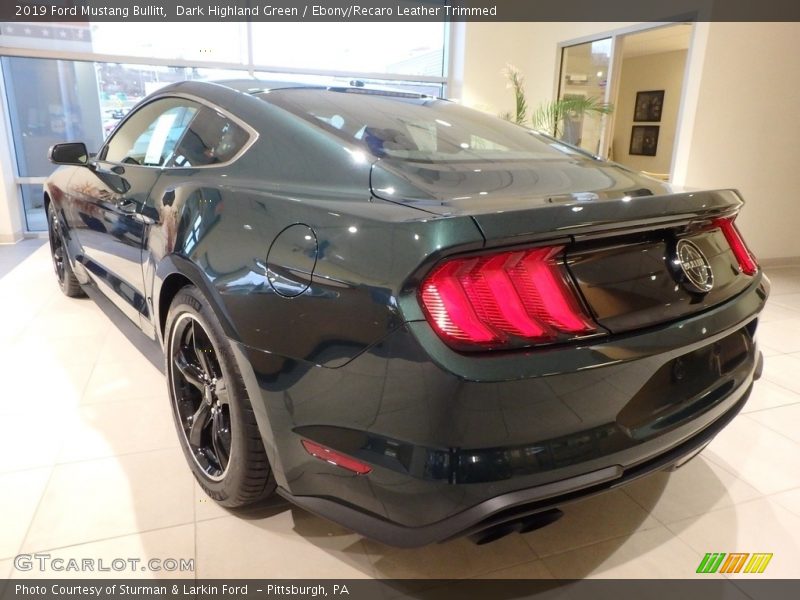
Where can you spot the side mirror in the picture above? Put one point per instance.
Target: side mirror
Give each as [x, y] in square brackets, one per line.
[69, 153]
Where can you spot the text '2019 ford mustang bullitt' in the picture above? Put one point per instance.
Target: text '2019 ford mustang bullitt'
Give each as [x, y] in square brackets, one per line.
[415, 319]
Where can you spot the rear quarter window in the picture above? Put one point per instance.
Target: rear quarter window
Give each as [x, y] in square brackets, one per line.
[211, 139]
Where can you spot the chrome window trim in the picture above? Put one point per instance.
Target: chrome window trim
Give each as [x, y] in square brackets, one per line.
[251, 132]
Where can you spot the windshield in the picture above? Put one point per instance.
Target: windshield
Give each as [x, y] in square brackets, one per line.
[416, 129]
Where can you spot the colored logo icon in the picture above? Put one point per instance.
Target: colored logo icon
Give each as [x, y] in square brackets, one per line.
[735, 562]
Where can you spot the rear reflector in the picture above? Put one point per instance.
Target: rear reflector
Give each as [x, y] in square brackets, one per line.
[335, 458]
[504, 299]
[747, 262]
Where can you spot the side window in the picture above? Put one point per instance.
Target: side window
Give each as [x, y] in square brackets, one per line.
[150, 135]
[211, 139]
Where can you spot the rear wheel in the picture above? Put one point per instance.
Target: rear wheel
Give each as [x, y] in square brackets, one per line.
[66, 278]
[212, 413]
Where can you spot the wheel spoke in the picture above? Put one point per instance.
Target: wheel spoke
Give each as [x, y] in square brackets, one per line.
[201, 396]
[220, 438]
[56, 248]
[191, 373]
[201, 353]
[221, 392]
[199, 422]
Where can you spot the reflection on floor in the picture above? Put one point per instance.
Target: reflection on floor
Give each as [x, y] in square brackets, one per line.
[91, 468]
[12, 255]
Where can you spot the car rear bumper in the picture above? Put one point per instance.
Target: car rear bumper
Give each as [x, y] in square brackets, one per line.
[452, 455]
[514, 506]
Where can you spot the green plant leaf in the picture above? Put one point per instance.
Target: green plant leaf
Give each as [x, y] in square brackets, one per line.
[549, 117]
[517, 83]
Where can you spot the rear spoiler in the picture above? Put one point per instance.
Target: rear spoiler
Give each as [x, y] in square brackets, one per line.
[608, 216]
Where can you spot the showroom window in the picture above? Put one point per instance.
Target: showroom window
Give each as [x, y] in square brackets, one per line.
[222, 42]
[53, 94]
[352, 47]
[48, 101]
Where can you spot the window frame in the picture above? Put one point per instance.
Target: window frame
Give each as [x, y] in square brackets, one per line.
[251, 132]
[226, 117]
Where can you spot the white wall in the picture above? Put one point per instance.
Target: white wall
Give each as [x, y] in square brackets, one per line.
[746, 130]
[739, 125]
[10, 217]
[662, 71]
[11, 226]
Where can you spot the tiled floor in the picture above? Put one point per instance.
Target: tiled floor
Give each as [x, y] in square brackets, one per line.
[90, 468]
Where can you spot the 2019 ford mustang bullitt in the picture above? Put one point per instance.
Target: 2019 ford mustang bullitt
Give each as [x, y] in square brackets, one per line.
[412, 318]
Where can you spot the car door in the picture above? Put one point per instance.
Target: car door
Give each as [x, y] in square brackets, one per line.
[109, 195]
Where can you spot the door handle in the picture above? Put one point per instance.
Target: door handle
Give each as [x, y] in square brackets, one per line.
[127, 206]
[144, 220]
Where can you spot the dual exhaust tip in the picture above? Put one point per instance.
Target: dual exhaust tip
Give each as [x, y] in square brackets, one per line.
[519, 525]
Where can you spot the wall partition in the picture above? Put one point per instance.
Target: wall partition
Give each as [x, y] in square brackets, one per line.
[64, 82]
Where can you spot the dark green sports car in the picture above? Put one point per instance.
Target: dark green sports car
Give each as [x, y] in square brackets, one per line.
[415, 319]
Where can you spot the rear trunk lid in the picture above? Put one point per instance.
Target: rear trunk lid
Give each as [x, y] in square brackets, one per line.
[620, 229]
[634, 281]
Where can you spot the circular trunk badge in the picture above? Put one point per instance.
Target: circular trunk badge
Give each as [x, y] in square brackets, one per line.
[695, 266]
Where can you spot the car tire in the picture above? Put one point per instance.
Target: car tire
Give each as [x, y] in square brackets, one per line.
[212, 413]
[67, 281]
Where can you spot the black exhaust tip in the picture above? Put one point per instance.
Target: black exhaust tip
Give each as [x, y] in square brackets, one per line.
[521, 525]
[494, 533]
[542, 519]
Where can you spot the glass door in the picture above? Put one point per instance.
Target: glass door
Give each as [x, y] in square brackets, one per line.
[585, 75]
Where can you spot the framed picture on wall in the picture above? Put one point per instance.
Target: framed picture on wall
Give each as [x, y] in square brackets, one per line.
[649, 106]
[644, 140]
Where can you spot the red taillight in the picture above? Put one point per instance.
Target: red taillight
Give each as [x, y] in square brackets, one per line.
[747, 262]
[503, 299]
[335, 458]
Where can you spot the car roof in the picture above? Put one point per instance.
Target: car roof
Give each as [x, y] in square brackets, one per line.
[254, 87]
[258, 86]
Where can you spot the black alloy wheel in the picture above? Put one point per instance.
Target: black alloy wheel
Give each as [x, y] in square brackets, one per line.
[214, 418]
[201, 396]
[56, 244]
[66, 278]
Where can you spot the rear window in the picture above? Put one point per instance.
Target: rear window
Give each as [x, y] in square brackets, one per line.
[415, 129]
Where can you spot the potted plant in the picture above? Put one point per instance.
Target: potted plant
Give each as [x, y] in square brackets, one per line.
[549, 117]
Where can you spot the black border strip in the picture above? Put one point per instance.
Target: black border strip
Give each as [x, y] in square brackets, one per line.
[431, 589]
[397, 10]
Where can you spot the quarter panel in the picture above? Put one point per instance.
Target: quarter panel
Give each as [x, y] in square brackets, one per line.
[366, 251]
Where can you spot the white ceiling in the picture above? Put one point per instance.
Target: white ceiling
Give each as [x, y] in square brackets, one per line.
[661, 39]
